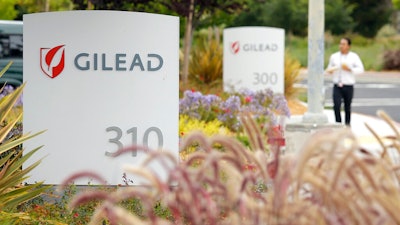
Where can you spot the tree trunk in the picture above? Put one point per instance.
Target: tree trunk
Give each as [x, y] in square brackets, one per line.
[187, 43]
[90, 5]
[47, 6]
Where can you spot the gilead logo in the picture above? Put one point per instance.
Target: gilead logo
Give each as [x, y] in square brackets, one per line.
[235, 47]
[253, 47]
[52, 60]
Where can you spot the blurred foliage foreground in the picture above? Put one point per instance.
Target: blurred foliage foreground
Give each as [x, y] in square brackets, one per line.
[226, 182]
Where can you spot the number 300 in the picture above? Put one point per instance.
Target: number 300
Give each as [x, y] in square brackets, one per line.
[265, 78]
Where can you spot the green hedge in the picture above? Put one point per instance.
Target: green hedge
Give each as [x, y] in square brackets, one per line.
[371, 51]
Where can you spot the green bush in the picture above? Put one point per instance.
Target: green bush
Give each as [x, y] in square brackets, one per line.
[205, 66]
[292, 76]
[338, 18]
[387, 31]
[391, 60]
[370, 50]
[13, 191]
[53, 206]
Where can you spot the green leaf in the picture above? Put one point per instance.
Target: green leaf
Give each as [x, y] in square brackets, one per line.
[3, 163]
[8, 102]
[5, 130]
[9, 145]
[3, 71]
[13, 178]
[18, 164]
[24, 194]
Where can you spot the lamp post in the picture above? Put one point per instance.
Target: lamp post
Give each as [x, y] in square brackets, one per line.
[316, 93]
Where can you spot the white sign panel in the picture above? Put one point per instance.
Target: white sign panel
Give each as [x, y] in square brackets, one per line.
[254, 58]
[98, 81]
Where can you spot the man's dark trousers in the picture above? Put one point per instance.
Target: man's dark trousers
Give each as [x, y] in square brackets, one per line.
[346, 93]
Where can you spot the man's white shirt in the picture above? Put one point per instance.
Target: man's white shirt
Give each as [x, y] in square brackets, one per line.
[341, 76]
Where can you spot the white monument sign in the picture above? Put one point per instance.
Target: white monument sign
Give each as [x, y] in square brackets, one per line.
[254, 58]
[99, 81]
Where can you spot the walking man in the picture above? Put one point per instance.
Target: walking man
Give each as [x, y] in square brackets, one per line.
[343, 66]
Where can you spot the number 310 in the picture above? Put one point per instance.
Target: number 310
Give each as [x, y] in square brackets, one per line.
[118, 135]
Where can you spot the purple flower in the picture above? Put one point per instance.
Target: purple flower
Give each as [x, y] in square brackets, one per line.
[199, 106]
[281, 105]
[8, 89]
[210, 101]
[263, 105]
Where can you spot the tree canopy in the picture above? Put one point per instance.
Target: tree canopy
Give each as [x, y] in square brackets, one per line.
[370, 15]
[7, 11]
[396, 4]
[365, 17]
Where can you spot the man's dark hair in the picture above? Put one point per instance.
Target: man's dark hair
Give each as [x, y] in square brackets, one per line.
[348, 40]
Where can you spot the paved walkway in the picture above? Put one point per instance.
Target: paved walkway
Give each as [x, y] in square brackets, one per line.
[373, 76]
[364, 136]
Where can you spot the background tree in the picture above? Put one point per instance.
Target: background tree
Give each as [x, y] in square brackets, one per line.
[292, 15]
[251, 16]
[33, 6]
[7, 10]
[396, 4]
[299, 23]
[123, 5]
[195, 10]
[370, 15]
[396, 16]
[279, 13]
[338, 19]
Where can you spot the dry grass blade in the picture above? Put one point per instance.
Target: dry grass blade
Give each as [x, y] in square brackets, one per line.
[389, 121]
[391, 206]
[196, 137]
[340, 168]
[253, 131]
[384, 154]
[322, 144]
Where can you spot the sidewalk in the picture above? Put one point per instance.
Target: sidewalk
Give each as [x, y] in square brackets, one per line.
[359, 129]
[367, 76]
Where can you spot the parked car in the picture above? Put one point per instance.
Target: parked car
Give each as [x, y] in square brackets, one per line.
[11, 45]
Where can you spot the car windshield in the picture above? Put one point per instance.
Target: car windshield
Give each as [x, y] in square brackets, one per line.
[11, 39]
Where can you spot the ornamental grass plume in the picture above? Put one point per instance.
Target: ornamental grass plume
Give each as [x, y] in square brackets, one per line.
[331, 180]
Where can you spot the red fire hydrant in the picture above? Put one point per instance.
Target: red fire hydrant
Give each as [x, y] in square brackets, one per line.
[276, 136]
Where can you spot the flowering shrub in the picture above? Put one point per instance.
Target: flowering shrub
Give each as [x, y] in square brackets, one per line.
[263, 105]
[198, 106]
[188, 125]
[209, 128]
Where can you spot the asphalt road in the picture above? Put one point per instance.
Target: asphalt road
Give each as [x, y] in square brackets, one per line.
[373, 91]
